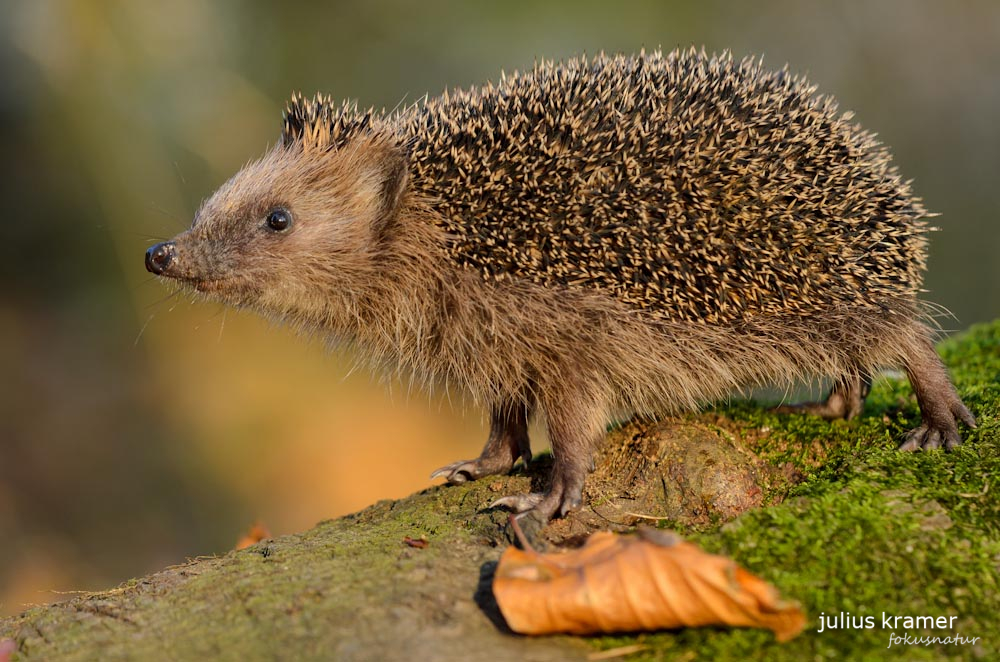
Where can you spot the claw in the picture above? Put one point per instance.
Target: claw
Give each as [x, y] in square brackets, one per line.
[569, 504]
[915, 439]
[458, 472]
[963, 414]
[952, 440]
[519, 503]
[547, 505]
[930, 438]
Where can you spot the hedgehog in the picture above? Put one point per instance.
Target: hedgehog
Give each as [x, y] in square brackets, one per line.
[589, 240]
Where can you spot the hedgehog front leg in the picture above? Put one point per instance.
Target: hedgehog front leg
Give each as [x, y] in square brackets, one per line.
[507, 442]
[846, 400]
[940, 406]
[575, 425]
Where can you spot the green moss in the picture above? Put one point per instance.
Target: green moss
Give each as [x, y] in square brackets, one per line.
[871, 529]
[865, 549]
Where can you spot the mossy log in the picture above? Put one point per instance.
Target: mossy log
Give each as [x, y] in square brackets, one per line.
[831, 513]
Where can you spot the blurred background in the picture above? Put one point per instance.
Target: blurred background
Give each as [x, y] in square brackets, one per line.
[137, 430]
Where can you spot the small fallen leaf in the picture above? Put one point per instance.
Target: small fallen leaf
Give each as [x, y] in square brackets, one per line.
[419, 543]
[256, 533]
[625, 583]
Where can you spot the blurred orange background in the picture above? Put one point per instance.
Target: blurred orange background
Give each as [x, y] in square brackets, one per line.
[139, 429]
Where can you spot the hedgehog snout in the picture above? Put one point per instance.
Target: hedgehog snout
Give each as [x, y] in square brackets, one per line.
[159, 257]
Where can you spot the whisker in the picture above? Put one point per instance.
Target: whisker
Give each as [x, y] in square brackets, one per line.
[177, 169]
[164, 299]
[222, 324]
[171, 216]
[146, 236]
[143, 328]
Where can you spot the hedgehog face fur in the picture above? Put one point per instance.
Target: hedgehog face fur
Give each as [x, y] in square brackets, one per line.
[290, 230]
[588, 239]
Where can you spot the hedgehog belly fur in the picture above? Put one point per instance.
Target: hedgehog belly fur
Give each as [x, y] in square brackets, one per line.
[511, 341]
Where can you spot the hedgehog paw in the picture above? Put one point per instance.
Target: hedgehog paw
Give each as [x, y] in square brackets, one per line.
[519, 503]
[507, 443]
[544, 506]
[466, 470]
[846, 400]
[940, 427]
[928, 437]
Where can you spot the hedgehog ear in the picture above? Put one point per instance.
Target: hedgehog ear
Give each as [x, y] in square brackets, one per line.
[395, 177]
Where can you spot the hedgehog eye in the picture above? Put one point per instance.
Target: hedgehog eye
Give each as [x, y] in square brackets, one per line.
[279, 220]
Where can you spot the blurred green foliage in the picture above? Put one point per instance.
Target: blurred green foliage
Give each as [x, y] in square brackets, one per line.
[118, 117]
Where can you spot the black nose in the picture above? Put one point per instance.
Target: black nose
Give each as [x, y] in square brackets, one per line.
[158, 257]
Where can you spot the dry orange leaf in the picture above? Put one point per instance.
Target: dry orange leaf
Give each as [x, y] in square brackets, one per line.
[256, 533]
[624, 583]
[419, 543]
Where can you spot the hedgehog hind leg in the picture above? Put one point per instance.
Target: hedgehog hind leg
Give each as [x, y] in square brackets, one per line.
[846, 400]
[940, 406]
[507, 442]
